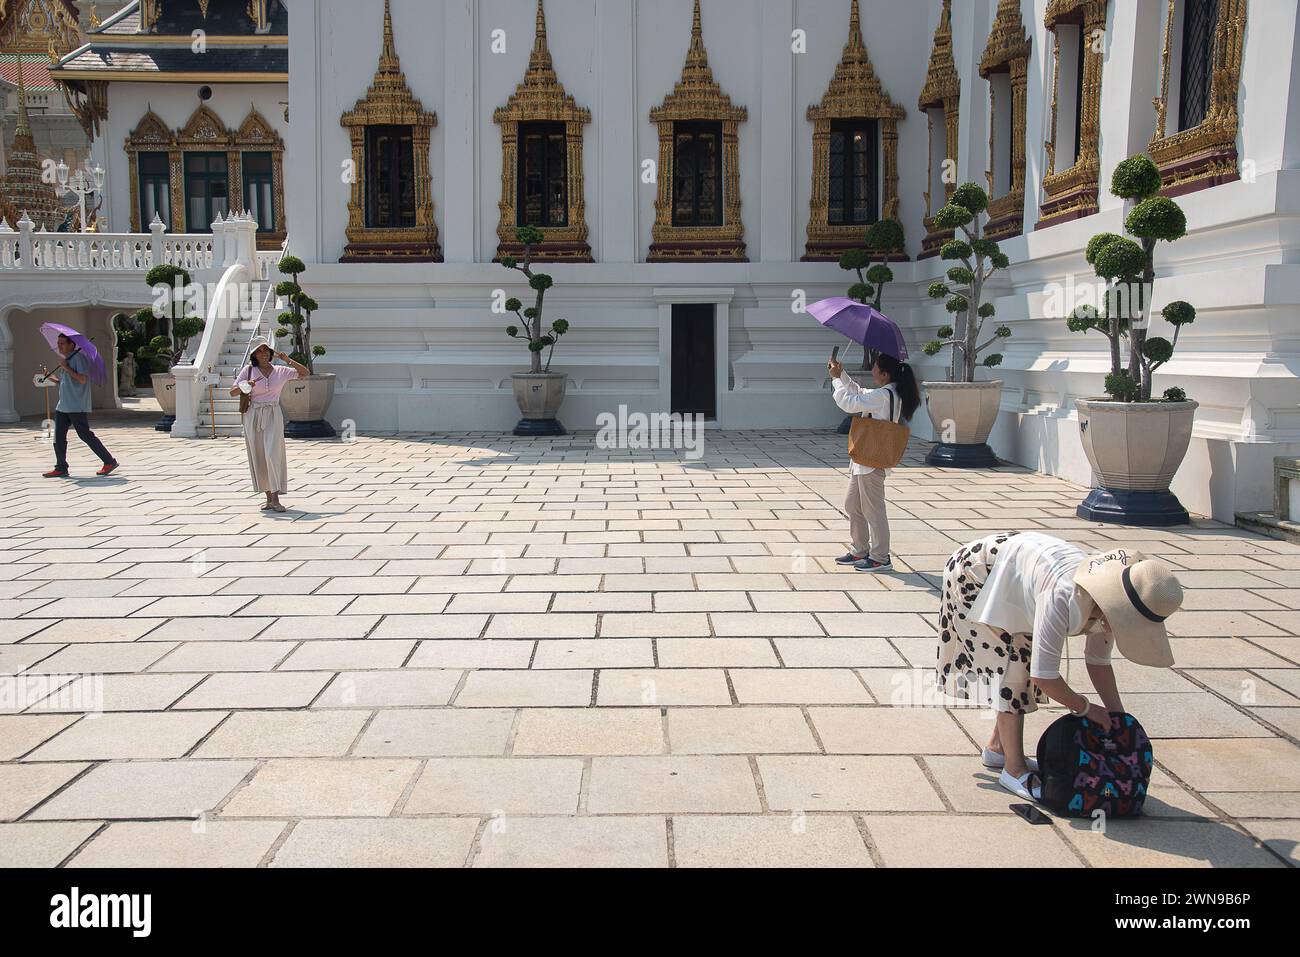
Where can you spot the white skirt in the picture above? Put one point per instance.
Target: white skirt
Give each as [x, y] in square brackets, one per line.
[264, 438]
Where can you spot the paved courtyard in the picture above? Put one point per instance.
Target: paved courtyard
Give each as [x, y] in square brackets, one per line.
[475, 650]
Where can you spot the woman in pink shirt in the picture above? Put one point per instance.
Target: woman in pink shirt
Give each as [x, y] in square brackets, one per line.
[264, 422]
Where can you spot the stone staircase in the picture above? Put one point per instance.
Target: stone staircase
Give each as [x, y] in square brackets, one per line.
[229, 363]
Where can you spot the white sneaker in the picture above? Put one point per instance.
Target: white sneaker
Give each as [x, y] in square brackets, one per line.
[996, 761]
[1026, 787]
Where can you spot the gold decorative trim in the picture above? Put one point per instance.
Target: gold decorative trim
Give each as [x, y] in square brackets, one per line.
[88, 103]
[541, 97]
[127, 76]
[698, 97]
[1007, 51]
[942, 91]
[38, 28]
[1072, 193]
[205, 133]
[389, 102]
[1205, 155]
[855, 92]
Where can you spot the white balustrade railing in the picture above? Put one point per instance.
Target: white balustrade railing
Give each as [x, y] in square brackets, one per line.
[27, 250]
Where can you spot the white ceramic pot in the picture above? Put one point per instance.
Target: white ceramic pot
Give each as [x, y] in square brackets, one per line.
[1135, 446]
[164, 390]
[540, 396]
[963, 413]
[308, 400]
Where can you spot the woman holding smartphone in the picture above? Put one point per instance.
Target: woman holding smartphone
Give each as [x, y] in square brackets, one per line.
[895, 398]
[264, 422]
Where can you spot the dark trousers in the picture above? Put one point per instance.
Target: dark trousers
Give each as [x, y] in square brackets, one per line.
[79, 422]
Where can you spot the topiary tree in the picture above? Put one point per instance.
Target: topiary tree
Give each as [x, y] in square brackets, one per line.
[168, 283]
[169, 347]
[884, 238]
[531, 318]
[1128, 265]
[295, 322]
[979, 259]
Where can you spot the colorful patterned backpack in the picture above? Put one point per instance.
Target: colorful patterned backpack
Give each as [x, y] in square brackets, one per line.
[1084, 769]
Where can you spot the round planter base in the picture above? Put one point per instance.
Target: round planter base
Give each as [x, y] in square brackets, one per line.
[539, 428]
[1137, 509]
[953, 456]
[846, 426]
[165, 423]
[320, 429]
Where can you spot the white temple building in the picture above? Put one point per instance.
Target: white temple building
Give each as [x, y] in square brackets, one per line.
[697, 167]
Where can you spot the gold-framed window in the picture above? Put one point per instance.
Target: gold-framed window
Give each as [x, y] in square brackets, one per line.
[1195, 142]
[1005, 65]
[541, 99]
[697, 207]
[168, 178]
[855, 94]
[1070, 184]
[940, 99]
[390, 210]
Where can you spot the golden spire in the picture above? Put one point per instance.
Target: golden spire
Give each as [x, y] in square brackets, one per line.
[388, 62]
[540, 63]
[697, 68]
[855, 43]
[24, 127]
[942, 79]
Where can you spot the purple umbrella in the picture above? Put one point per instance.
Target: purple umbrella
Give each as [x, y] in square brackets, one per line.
[52, 330]
[861, 323]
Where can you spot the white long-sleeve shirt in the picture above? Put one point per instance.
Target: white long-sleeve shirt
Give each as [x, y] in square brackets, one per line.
[855, 400]
[1030, 590]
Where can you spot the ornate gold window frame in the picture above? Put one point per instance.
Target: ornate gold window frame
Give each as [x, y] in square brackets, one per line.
[942, 91]
[542, 98]
[204, 132]
[1205, 155]
[697, 97]
[1072, 193]
[1007, 51]
[855, 92]
[389, 102]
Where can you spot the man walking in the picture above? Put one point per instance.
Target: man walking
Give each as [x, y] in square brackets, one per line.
[73, 376]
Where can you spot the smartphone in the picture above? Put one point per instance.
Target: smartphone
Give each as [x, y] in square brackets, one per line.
[835, 354]
[1031, 814]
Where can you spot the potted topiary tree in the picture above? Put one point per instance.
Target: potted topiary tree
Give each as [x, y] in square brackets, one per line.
[1135, 445]
[176, 329]
[884, 239]
[963, 411]
[306, 401]
[538, 392]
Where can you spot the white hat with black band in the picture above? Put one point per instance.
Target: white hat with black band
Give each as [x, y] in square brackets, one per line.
[1137, 595]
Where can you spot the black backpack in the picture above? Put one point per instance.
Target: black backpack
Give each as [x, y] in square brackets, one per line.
[1085, 769]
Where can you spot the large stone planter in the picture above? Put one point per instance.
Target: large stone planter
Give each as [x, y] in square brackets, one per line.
[164, 390]
[963, 414]
[1135, 449]
[539, 398]
[305, 402]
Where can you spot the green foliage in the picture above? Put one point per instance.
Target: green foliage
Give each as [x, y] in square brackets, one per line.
[953, 216]
[1179, 313]
[1158, 350]
[166, 274]
[957, 304]
[971, 196]
[541, 282]
[286, 288]
[937, 290]
[318, 351]
[512, 332]
[1003, 332]
[987, 311]
[993, 361]
[1097, 243]
[854, 259]
[1122, 387]
[1083, 319]
[295, 322]
[987, 248]
[955, 249]
[1158, 218]
[530, 236]
[962, 275]
[538, 342]
[560, 327]
[932, 348]
[880, 274]
[510, 262]
[292, 266]
[885, 236]
[861, 291]
[1175, 395]
[1120, 259]
[513, 305]
[1135, 178]
[946, 332]
[282, 333]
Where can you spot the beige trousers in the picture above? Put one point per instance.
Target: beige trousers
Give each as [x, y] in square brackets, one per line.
[868, 521]
[264, 439]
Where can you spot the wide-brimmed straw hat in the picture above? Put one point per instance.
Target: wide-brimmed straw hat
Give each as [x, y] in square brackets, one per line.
[257, 343]
[1137, 595]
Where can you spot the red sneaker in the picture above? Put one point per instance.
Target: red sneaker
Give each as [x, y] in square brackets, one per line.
[54, 473]
[108, 469]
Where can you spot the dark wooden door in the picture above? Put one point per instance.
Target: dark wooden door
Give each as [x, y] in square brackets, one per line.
[695, 360]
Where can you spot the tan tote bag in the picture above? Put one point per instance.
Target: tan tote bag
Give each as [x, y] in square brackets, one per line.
[877, 443]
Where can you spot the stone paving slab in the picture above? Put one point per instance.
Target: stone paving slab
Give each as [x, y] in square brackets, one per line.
[481, 651]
